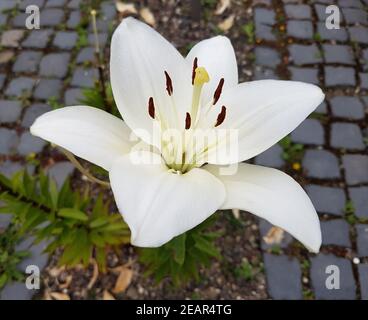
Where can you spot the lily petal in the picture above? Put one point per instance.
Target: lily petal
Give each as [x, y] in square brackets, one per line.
[263, 112]
[139, 58]
[88, 132]
[158, 204]
[274, 196]
[218, 57]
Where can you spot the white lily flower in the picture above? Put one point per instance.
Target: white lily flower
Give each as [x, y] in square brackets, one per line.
[182, 185]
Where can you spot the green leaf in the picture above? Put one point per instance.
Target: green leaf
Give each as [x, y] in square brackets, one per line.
[3, 280]
[206, 246]
[73, 214]
[99, 222]
[178, 244]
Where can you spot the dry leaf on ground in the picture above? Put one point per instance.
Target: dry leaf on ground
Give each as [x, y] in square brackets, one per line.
[94, 276]
[148, 16]
[107, 295]
[227, 23]
[274, 236]
[123, 280]
[222, 6]
[126, 8]
[59, 296]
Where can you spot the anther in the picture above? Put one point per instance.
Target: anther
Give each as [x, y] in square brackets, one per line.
[218, 91]
[151, 108]
[221, 116]
[195, 66]
[169, 86]
[188, 121]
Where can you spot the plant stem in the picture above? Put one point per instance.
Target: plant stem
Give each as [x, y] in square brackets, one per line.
[84, 171]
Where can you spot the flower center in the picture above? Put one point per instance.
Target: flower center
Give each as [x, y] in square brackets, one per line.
[179, 147]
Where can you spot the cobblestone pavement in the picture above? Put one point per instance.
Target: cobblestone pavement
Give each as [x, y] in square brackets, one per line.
[42, 67]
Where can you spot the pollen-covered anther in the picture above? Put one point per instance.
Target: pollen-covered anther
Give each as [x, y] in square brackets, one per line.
[201, 76]
[221, 116]
[218, 91]
[169, 86]
[151, 108]
[195, 66]
[188, 121]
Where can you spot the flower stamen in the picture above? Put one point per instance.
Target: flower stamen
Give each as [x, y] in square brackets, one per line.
[188, 121]
[221, 116]
[151, 108]
[195, 66]
[218, 91]
[169, 86]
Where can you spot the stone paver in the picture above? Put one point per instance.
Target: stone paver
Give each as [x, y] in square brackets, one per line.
[339, 76]
[347, 107]
[309, 132]
[329, 200]
[321, 164]
[271, 157]
[305, 54]
[55, 65]
[27, 61]
[362, 239]
[9, 111]
[335, 232]
[320, 274]
[267, 57]
[347, 135]
[363, 279]
[359, 198]
[32, 112]
[283, 277]
[356, 168]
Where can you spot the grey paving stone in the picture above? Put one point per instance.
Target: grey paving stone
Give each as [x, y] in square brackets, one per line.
[319, 276]
[300, 29]
[52, 17]
[267, 57]
[359, 34]
[37, 39]
[335, 232]
[339, 76]
[19, 86]
[7, 4]
[48, 88]
[30, 144]
[353, 16]
[321, 12]
[264, 16]
[27, 61]
[16, 291]
[8, 141]
[55, 3]
[60, 171]
[310, 131]
[356, 168]
[264, 228]
[108, 10]
[305, 54]
[84, 77]
[73, 96]
[74, 19]
[33, 112]
[329, 200]
[283, 277]
[102, 25]
[347, 107]
[322, 108]
[272, 157]
[350, 4]
[102, 39]
[11, 38]
[347, 136]
[309, 75]
[298, 11]
[5, 220]
[65, 40]
[9, 168]
[359, 197]
[362, 239]
[265, 32]
[338, 54]
[55, 65]
[9, 111]
[74, 4]
[261, 73]
[19, 21]
[321, 164]
[363, 80]
[23, 4]
[363, 280]
[364, 59]
[86, 55]
[331, 34]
